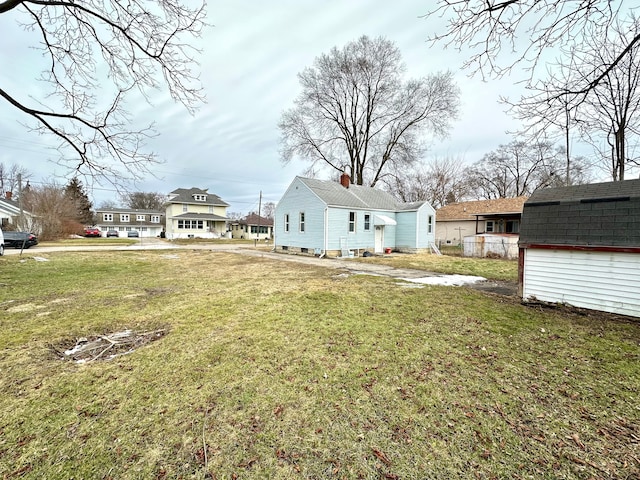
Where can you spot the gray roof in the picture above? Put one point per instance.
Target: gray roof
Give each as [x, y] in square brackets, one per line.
[356, 196]
[598, 214]
[9, 206]
[130, 210]
[201, 216]
[185, 195]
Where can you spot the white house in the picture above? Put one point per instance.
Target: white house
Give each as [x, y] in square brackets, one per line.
[195, 213]
[12, 214]
[148, 223]
[339, 219]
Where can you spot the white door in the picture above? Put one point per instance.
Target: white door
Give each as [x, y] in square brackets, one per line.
[379, 238]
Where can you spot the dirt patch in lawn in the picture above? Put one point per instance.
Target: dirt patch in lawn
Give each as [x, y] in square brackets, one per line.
[105, 347]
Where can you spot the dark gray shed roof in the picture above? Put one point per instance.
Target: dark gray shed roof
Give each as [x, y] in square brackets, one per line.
[597, 214]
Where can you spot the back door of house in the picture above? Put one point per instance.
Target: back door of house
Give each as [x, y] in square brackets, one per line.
[379, 238]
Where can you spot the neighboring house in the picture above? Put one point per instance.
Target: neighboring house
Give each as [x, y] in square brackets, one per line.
[485, 227]
[253, 227]
[195, 213]
[580, 245]
[148, 223]
[12, 214]
[339, 219]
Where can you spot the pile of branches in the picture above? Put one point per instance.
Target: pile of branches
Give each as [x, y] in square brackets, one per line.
[106, 347]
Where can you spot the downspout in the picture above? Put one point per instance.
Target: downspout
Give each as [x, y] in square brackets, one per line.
[275, 221]
[326, 232]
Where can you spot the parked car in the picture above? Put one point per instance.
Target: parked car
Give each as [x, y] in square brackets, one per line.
[112, 233]
[133, 233]
[20, 239]
[1, 243]
[92, 232]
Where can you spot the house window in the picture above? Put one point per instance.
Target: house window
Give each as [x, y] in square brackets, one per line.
[190, 224]
[140, 218]
[107, 217]
[185, 207]
[512, 226]
[302, 222]
[155, 218]
[210, 208]
[200, 198]
[430, 224]
[124, 217]
[286, 222]
[367, 221]
[489, 226]
[352, 222]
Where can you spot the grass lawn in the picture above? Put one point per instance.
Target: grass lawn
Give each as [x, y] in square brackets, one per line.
[277, 370]
[506, 270]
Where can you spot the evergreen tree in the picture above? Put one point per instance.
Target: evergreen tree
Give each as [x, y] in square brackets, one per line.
[75, 192]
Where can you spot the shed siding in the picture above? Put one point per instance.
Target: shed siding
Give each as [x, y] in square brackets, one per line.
[607, 281]
[300, 199]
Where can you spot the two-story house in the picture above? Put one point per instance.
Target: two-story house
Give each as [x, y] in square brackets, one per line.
[148, 223]
[193, 213]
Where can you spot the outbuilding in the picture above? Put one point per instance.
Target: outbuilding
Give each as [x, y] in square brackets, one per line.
[580, 245]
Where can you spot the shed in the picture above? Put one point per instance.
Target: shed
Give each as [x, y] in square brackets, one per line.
[580, 245]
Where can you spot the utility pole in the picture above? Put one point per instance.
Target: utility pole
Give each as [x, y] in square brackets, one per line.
[21, 221]
[258, 232]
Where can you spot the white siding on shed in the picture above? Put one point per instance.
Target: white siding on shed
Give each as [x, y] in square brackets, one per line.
[607, 281]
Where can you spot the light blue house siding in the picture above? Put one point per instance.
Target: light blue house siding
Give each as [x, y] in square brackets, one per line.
[297, 200]
[416, 228]
[339, 218]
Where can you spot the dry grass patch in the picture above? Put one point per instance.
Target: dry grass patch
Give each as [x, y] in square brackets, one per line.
[493, 269]
[279, 370]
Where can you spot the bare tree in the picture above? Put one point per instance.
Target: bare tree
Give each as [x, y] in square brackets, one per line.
[53, 212]
[612, 109]
[356, 114]
[11, 176]
[269, 210]
[440, 181]
[144, 200]
[515, 169]
[494, 31]
[96, 53]
[608, 114]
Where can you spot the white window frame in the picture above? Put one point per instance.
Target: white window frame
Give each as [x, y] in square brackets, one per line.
[155, 218]
[286, 223]
[107, 217]
[367, 222]
[301, 222]
[430, 224]
[352, 222]
[124, 217]
[140, 218]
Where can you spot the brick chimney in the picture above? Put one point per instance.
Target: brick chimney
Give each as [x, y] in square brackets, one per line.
[8, 195]
[345, 180]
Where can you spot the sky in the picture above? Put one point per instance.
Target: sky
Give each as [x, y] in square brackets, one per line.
[251, 55]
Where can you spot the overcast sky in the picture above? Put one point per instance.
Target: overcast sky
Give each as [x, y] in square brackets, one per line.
[251, 57]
